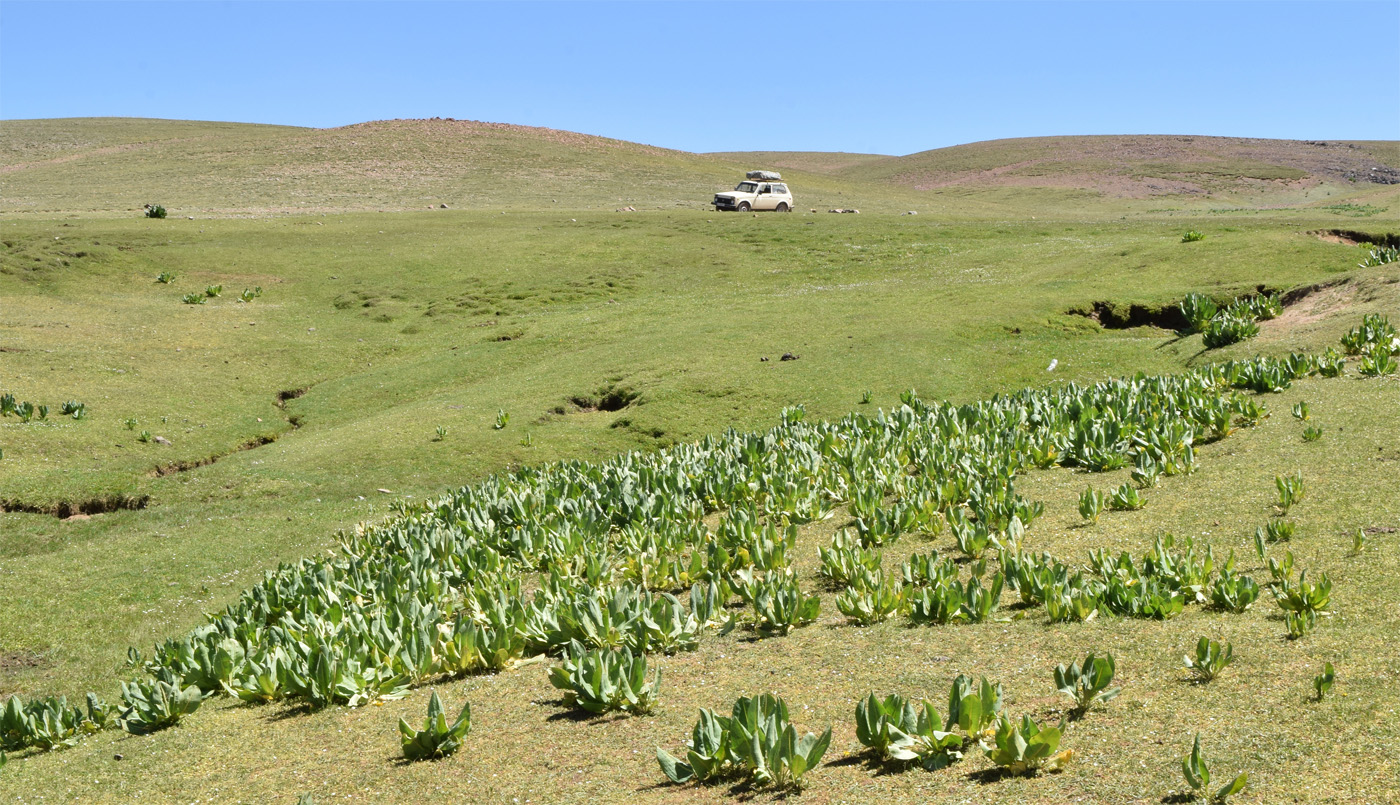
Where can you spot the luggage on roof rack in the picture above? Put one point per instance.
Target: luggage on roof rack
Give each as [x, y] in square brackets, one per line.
[764, 176]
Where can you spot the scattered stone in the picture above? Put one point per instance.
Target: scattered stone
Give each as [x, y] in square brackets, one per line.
[911, 212]
[442, 206]
[162, 440]
[788, 356]
[842, 210]
[764, 359]
[385, 491]
[628, 209]
[117, 756]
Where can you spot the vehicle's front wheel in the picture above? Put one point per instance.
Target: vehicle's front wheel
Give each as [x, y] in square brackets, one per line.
[782, 206]
[743, 206]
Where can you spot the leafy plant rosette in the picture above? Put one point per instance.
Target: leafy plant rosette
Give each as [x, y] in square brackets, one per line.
[437, 739]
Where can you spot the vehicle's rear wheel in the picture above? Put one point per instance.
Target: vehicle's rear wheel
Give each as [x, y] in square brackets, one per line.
[782, 206]
[743, 206]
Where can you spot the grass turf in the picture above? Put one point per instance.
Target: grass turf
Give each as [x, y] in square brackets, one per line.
[394, 325]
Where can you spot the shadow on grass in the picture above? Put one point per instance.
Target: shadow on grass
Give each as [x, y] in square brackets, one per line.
[872, 763]
[578, 715]
[738, 790]
[995, 774]
[1178, 799]
[989, 776]
[285, 713]
[1170, 341]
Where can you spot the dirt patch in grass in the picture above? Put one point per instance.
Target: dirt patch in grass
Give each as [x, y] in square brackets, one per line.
[1353, 237]
[610, 397]
[284, 397]
[22, 661]
[1312, 303]
[65, 509]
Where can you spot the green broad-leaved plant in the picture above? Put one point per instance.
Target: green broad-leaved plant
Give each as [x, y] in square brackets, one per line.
[872, 600]
[438, 738]
[1027, 747]
[1303, 595]
[973, 706]
[1276, 531]
[1378, 361]
[1291, 489]
[757, 739]
[1233, 592]
[1074, 600]
[1197, 775]
[605, 680]
[1092, 504]
[1126, 498]
[1211, 658]
[1322, 683]
[1228, 328]
[780, 606]
[1198, 310]
[708, 755]
[1087, 682]
[896, 730]
[846, 559]
[923, 569]
[260, 678]
[154, 704]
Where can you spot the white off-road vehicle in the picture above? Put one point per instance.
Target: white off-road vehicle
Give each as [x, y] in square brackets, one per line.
[761, 190]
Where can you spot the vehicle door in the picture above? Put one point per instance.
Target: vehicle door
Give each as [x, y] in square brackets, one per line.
[765, 200]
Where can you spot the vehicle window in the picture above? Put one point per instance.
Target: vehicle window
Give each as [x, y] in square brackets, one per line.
[746, 187]
[780, 189]
[764, 189]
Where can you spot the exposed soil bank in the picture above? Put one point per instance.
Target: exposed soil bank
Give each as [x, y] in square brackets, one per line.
[1353, 237]
[70, 508]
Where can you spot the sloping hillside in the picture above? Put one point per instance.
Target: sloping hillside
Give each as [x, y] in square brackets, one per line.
[117, 165]
[1129, 166]
[113, 166]
[828, 162]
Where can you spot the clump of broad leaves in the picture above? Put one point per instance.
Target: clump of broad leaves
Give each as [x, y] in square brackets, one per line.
[757, 741]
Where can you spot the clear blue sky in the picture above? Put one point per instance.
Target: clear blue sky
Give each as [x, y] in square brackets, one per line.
[876, 77]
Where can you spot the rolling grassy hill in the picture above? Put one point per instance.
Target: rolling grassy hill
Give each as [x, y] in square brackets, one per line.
[1130, 167]
[108, 166]
[111, 166]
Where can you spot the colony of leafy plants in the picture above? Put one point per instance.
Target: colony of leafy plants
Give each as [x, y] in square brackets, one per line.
[598, 565]
[1235, 322]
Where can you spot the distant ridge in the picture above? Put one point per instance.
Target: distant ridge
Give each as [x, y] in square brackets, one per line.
[113, 166]
[1134, 166]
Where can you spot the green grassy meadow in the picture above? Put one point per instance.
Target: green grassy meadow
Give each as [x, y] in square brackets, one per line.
[317, 405]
